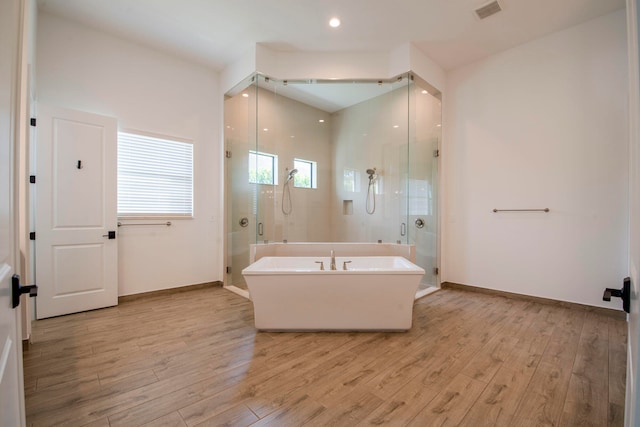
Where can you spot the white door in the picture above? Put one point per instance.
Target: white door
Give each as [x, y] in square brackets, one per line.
[632, 415]
[76, 211]
[11, 385]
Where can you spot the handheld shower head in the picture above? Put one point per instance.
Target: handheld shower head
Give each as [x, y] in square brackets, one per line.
[371, 172]
[292, 173]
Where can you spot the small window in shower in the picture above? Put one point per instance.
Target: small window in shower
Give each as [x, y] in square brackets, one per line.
[263, 168]
[307, 174]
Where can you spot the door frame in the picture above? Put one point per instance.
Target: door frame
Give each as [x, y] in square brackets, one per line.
[632, 406]
[15, 116]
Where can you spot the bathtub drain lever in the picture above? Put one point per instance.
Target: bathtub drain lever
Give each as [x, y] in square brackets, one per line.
[344, 265]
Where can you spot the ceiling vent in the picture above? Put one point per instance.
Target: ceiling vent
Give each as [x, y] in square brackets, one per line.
[488, 9]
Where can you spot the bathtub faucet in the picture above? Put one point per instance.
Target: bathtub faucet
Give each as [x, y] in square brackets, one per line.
[333, 260]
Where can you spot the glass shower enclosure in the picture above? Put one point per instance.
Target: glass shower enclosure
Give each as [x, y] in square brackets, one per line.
[332, 161]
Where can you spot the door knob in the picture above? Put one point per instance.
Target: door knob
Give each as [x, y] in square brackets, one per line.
[419, 223]
[624, 293]
[17, 290]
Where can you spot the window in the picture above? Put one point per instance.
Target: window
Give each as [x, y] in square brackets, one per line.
[155, 176]
[263, 168]
[307, 173]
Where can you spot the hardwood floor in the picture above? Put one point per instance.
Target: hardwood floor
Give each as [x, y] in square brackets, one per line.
[194, 358]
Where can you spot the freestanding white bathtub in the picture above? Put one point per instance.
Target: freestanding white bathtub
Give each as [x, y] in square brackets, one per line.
[292, 293]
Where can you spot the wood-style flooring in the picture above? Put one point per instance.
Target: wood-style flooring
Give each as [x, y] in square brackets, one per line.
[194, 358]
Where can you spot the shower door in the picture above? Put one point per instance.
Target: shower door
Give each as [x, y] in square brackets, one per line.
[422, 210]
[240, 192]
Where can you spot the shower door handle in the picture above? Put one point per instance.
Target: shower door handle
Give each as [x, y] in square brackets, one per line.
[260, 229]
[403, 229]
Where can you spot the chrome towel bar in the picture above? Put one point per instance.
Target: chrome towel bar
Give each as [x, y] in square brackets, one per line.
[168, 223]
[522, 210]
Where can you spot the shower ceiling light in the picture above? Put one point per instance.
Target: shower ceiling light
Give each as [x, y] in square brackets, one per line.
[334, 22]
[245, 95]
[321, 121]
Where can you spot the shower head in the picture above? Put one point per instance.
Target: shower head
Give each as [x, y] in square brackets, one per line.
[371, 172]
[292, 172]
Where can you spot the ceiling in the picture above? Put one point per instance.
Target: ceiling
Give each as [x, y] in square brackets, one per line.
[218, 32]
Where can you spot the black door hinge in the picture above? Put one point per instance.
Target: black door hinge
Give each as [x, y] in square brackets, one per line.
[32, 179]
[436, 153]
[227, 154]
[436, 270]
[32, 235]
[32, 122]
[228, 270]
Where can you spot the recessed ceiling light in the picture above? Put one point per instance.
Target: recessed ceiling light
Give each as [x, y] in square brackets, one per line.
[265, 129]
[321, 121]
[425, 92]
[245, 95]
[334, 22]
[396, 126]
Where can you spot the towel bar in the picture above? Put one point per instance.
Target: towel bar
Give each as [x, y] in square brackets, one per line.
[168, 223]
[522, 210]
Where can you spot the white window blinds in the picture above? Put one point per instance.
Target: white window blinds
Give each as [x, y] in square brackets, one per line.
[155, 177]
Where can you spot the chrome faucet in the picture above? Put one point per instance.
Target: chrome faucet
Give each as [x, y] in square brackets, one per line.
[333, 260]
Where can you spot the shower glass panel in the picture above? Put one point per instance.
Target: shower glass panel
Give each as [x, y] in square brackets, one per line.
[424, 143]
[369, 134]
[340, 132]
[241, 195]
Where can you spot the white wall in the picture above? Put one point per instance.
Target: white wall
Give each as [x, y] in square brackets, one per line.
[332, 65]
[149, 91]
[540, 125]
